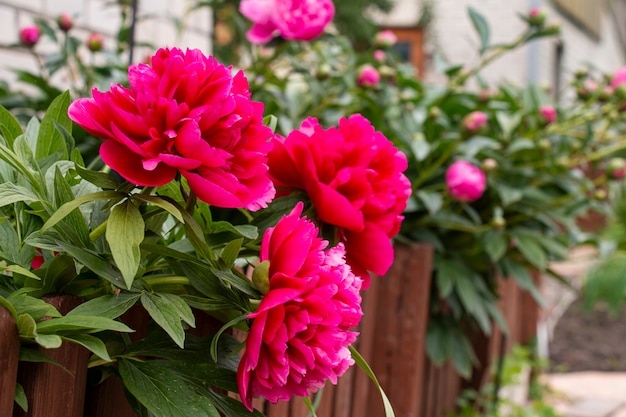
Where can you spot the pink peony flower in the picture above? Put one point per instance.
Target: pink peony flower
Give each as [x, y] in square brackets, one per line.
[548, 113]
[301, 20]
[301, 332]
[29, 35]
[474, 121]
[619, 78]
[368, 76]
[65, 23]
[466, 182]
[385, 39]
[354, 178]
[184, 114]
[95, 42]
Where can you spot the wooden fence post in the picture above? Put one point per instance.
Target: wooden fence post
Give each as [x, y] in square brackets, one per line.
[9, 358]
[53, 391]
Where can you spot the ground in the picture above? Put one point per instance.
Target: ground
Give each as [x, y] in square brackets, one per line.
[589, 341]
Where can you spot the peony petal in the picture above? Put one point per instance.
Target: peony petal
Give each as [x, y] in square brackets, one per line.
[130, 166]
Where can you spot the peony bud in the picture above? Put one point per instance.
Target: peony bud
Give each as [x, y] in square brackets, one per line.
[368, 76]
[484, 95]
[600, 194]
[498, 223]
[379, 55]
[29, 35]
[489, 165]
[474, 121]
[64, 21]
[385, 39]
[619, 77]
[536, 17]
[548, 113]
[324, 71]
[387, 72]
[95, 42]
[616, 168]
[465, 181]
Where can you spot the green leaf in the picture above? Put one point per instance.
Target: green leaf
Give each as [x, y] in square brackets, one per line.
[70, 206]
[508, 195]
[110, 306]
[358, 359]
[481, 26]
[432, 200]
[20, 397]
[12, 193]
[531, 249]
[161, 202]
[73, 323]
[17, 269]
[34, 307]
[521, 275]
[242, 284]
[91, 343]
[473, 146]
[9, 126]
[74, 227]
[8, 306]
[50, 140]
[231, 252]
[166, 314]
[163, 391]
[26, 326]
[49, 341]
[495, 243]
[99, 179]
[125, 232]
[270, 121]
[95, 263]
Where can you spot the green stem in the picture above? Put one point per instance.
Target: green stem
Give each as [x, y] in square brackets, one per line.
[98, 231]
[167, 280]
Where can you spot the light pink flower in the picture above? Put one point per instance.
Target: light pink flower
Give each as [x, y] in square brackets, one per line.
[368, 76]
[29, 35]
[548, 113]
[301, 20]
[184, 114]
[474, 121]
[385, 39]
[379, 55]
[354, 177]
[465, 181]
[619, 77]
[300, 333]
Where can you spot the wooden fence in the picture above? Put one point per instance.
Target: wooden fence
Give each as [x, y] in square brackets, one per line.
[392, 340]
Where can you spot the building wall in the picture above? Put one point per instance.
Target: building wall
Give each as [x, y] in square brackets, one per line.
[155, 26]
[452, 36]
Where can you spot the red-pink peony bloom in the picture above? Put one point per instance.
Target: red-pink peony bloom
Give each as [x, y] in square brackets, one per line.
[300, 333]
[385, 39]
[186, 113]
[548, 113]
[29, 35]
[354, 178]
[300, 20]
[466, 182]
[368, 76]
[474, 121]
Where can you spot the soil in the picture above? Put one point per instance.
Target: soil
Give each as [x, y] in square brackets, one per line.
[589, 340]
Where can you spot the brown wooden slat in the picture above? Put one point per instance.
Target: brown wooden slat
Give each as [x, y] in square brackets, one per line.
[9, 358]
[51, 390]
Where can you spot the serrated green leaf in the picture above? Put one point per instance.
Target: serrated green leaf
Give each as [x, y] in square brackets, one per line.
[91, 343]
[164, 392]
[73, 323]
[125, 232]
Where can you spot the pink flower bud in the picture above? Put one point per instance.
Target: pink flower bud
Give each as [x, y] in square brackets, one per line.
[385, 39]
[474, 121]
[95, 42]
[536, 17]
[379, 55]
[368, 76]
[29, 35]
[616, 168]
[548, 113]
[64, 21]
[465, 181]
[619, 77]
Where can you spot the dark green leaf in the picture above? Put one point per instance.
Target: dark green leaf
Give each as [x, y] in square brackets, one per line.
[110, 306]
[495, 243]
[481, 26]
[74, 322]
[361, 363]
[20, 397]
[49, 140]
[9, 127]
[125, 232]
[68, 207]
[91, 343]
[165, 314]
